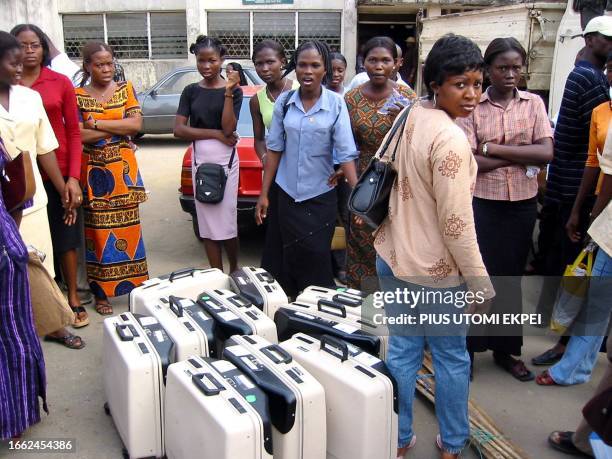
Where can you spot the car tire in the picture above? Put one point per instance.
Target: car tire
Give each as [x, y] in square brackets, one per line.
[196, 227]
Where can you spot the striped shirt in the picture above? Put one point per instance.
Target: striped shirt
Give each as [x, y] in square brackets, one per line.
[585, 89]
[522, 122]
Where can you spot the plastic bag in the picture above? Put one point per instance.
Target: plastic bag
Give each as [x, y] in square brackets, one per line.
[572, 291]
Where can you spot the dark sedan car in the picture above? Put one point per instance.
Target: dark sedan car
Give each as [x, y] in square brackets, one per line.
[160, 102]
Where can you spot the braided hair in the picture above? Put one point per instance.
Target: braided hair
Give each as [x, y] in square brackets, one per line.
[269, 44]
[203, 42]
[323, 50]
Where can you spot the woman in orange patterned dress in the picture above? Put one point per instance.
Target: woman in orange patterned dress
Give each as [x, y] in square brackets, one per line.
[112, 185]
[369, 129]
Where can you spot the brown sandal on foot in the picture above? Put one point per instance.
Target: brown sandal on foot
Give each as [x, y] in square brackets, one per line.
[70, 341]
[544, 379]
[104, 309]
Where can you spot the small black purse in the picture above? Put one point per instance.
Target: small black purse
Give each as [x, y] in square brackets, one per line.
[370, 197]
[210, 180]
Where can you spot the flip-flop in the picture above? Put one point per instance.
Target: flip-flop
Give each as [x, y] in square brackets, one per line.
[516, 369]
[67, 341]
[544, 379]
[550, 357]
[565, 443]
[79, 323]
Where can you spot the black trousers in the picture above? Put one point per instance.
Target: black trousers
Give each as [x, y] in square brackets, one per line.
[504, 230]
[306, 230]
[272, 256]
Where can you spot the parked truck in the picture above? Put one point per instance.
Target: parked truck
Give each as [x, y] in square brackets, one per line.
[549, 31]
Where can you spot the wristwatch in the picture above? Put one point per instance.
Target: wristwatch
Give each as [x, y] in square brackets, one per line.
[485, 149]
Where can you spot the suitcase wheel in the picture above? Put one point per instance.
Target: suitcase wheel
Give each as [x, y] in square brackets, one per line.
[107, 409]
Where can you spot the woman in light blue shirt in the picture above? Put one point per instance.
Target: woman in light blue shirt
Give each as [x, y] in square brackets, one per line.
[308, 125]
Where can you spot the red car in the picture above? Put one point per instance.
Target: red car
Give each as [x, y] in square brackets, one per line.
[251, 170]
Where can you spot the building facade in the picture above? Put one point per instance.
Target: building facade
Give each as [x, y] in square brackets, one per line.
[151, 37]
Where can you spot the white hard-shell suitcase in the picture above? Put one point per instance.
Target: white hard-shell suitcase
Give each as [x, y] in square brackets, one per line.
[190, 327]
[187, 283]
[260, 323]
[214, 411]
[135, 359]
[260, 288]
[316, 321]
[350, 299]
[362, 420]
[297, 399]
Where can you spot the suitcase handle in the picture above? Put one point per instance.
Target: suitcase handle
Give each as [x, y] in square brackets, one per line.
[185, 272]
[331, 304]
[336, 343]
[175, 306]
[272, 351]
[123, 335]
[197, 380]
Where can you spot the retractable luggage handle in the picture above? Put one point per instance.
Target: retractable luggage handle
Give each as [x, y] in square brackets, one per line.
[269, 351]
[331, 304]
[337, 344]
[197, 380]
[186, 272]
[120, 329]
[175, 306]
[347, 300]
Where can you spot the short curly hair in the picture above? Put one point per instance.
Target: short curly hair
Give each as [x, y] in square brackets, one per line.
[450, 55]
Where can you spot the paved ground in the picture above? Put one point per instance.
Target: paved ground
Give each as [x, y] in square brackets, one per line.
[525, 411]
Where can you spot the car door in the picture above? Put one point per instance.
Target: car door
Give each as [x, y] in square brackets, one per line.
[160, 104]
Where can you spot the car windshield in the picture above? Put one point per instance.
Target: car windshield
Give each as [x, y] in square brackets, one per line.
[245, 123]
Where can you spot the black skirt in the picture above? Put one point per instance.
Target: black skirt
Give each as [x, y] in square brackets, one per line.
[504, 230]
[306, 230]
[64, 237]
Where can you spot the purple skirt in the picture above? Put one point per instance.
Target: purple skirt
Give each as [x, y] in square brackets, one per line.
[218, 222]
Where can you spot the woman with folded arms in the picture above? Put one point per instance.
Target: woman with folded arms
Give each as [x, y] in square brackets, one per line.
[510, 135]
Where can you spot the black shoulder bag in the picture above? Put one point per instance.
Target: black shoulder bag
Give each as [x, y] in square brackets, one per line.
[210, 179]
[370, 197]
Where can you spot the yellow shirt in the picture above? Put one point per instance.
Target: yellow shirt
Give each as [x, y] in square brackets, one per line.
[25, 127]
[429, 237]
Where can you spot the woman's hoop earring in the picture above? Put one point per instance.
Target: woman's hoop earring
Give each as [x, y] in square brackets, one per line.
[435, 102]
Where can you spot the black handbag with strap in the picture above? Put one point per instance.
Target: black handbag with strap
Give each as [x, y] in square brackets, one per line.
[370, 197]
[210, 179]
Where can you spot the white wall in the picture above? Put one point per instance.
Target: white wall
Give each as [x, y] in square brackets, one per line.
[105, 6]
[43, 13]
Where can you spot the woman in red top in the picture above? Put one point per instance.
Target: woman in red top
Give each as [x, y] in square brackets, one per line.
[59, 100]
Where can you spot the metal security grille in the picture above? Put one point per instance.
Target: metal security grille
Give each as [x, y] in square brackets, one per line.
[168, 35]
[79, 29]
[325, 27]
[275, 26]
[233, 29]
[127, 34]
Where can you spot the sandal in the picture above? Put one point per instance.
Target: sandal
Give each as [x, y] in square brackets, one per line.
[550, 357]
[544, 379]
[104, 309]
[516, 368]
[69, 340]
[79, 323]
[562, 441]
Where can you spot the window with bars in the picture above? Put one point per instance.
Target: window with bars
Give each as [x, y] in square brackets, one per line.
[233, 29]
[275, 26]
[326, 27]
[154, 35]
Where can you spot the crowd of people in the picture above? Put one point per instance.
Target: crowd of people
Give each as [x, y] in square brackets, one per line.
[461, 214]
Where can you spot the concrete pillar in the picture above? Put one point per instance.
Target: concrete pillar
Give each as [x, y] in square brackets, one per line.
[43, 13]
[349, 36]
